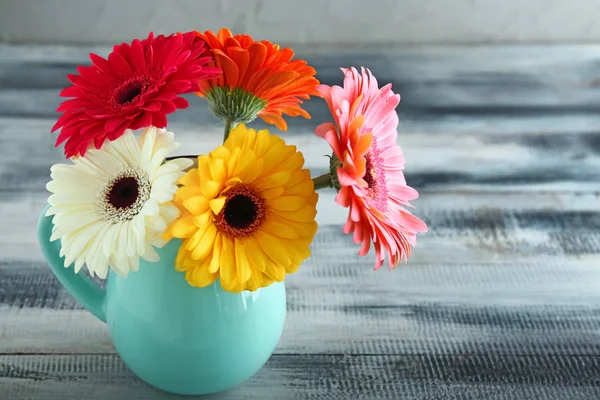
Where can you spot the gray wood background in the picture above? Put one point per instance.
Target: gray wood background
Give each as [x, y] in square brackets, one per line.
[501, 299]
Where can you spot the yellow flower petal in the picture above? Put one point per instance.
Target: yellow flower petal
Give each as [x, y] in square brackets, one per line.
[306, 229]
[286, 203]
[237, 136]
[271, 193]
[203, 169]
[181, 256]
[183, 227]
[202, 220]
[200, 277]
[196, 204]
[298, 249]
[272, 247]
[274, 271]
[185, 192]
[251, 174]
[293, 162]
[262, 143]
[256, 255]
[227, 268]
[305, 188]
[246, 159]
[297, 177]
[241, 262]
[255, 280]
[193, 241]
[276, 179]
[272, 158]
[216, 205]
[205, 245]
[216, 254]
[233, 160]
[274, 226]
[210, 189]
[293, 267]
[191, 178]
[218, 169]
[221, 152]
[303, 214]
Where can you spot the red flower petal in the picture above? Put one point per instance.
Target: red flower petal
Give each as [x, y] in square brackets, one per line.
[136, 86]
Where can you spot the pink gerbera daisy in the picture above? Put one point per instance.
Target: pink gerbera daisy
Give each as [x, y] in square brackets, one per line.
[136, 87]
[367, 164]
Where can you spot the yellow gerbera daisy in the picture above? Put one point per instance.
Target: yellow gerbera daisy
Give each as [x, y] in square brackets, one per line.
[247, 213]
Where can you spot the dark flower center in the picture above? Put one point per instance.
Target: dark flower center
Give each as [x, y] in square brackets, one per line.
[243, 212]
[129, 91]
[124, 192]
[375, 178]
[369, 175]
[124, 196]
[240, 211]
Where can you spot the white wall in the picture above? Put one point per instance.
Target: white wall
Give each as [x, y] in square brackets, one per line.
[306, 21]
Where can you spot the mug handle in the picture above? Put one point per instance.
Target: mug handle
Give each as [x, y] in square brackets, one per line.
[85, 291]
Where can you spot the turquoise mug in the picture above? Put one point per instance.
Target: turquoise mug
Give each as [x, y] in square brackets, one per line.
[176, 337]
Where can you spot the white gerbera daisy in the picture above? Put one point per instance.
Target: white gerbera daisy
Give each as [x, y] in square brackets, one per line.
[112, 205]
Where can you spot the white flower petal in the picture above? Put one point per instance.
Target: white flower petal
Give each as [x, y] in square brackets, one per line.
[96, 260]
[82, 238]
[183, 163]
[107, 159]
[74, 176]
[131, 247]
[79, 262]
[156, 224]
[169, 212]
[150, 254]
[134, 263]
[146, 143]
[95, 233]
[72, 197]
[150, 208]
[165, 140]
[110, 237]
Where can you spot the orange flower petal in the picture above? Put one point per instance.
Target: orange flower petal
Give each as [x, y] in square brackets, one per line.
[264, 70]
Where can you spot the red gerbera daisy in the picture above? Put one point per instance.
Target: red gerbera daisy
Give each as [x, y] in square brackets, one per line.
[137, 86]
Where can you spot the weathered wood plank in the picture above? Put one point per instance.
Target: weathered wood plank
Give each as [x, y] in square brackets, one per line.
[481, 281]
[465, 161]
[437, 377]
[445, 89]
[20, 212]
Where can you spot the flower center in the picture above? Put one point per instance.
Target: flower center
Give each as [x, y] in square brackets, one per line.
[129, 91]
[243, 212]
[124, 196]
[375, 178]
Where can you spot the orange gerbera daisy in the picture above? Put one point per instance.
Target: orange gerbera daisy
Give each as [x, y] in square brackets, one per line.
[258, 78]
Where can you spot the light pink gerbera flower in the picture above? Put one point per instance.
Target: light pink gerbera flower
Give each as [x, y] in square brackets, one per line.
[368, 164]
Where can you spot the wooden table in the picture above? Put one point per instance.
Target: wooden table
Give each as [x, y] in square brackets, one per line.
[501, 299]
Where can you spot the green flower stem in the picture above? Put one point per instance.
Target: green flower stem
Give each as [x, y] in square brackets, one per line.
[228, 126]
[323, 181]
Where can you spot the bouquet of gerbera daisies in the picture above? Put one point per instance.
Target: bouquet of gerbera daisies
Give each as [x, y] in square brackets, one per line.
[245, 211]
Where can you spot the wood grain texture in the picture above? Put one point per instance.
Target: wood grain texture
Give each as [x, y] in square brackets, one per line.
[500, 299]
[445, 89]
[321, 377]
[487, 281]
[461, 161]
